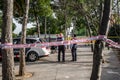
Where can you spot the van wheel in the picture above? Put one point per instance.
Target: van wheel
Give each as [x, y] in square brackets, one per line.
[32, 56]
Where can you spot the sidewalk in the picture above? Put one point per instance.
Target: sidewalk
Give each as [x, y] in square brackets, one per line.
[111, 67]
[47, 68]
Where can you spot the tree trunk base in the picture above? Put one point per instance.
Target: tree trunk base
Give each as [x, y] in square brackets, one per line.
[27, 75]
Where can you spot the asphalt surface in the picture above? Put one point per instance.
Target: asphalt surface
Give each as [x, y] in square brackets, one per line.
[111, 67]
[47, 68]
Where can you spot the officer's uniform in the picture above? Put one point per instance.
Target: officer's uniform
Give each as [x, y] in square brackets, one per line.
[73, 50]
[61, 48]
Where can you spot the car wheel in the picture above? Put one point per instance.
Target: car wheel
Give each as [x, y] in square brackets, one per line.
[32, 56]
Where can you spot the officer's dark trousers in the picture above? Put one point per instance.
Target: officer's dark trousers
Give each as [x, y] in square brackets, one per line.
[74, 55]
[61, 50]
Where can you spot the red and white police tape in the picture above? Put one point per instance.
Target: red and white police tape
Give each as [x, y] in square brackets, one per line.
[66, 42]
[112, 43]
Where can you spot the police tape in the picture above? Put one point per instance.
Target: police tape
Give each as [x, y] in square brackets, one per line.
[57, 43]
[67, 42]
[112, 43]
[113, 37]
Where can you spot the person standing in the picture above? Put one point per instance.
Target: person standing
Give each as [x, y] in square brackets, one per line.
[61, 48]
[74, 49]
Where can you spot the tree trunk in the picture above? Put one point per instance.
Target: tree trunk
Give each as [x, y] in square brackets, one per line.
[97, 56]
[45, 27]
[89, 33]
[38, 26]
[23, 40]
[97, 60]
[7, 54]
[37, 20]
[105, 18]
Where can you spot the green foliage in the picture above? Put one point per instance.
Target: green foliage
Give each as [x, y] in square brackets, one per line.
[114, 33]
[31, 31]
[14, 35]
[1, 5]
[81, 32]
[52, 25]
[66, 12]
[19, 10]
[13, 25]
[81, 1]
[0, 19]
[39, 8]
[80, 22]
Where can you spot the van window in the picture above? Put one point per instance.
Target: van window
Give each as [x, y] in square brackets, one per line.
[16, 41]
[30, 41]
[42, 40]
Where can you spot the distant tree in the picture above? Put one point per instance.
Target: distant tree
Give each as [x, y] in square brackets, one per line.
[52, 27]
[0, 21]
[31, 31]
[0, 18]
[39, 9]
[7, 54]
[1, 5]
[114, 33]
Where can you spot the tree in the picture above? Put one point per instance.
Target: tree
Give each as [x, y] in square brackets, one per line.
[7, 54]
[64, 13]
[23, 39]
[13, 25]
[97, 56]
[38, 9]
[51, 27]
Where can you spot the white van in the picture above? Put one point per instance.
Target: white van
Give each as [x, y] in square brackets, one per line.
[33, 53]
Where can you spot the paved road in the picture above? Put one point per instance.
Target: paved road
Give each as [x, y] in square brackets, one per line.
[48, 68]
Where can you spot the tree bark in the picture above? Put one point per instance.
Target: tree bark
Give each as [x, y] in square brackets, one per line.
[97, 60]
[36, 19]
[97, 56]
[45, 27]
[105, 18]
[23, 40]
[89, 33]
[7, 54]
[38, 27]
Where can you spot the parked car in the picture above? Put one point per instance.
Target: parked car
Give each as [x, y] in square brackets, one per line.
[32, 53]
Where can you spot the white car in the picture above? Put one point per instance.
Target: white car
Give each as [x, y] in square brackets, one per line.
[33, 53]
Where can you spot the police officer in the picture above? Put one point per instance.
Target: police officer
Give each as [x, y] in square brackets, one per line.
[61, 48]
[74, 49]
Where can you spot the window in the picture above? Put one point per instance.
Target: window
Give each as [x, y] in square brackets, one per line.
[30, 41]
[16, 41]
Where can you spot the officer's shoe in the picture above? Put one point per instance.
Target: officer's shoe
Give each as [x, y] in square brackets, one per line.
[72, 60]
[63, 61]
